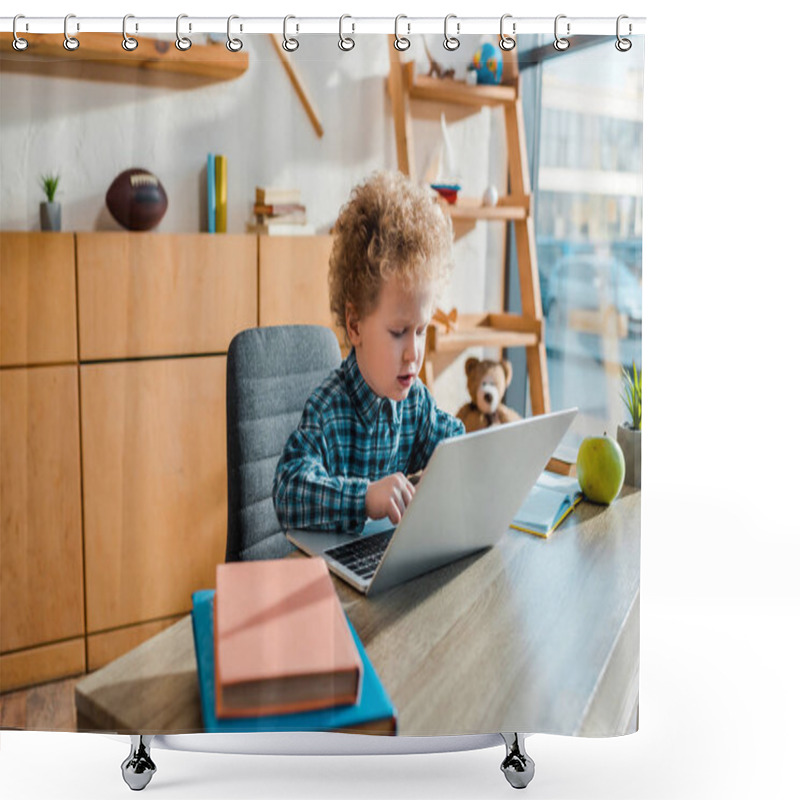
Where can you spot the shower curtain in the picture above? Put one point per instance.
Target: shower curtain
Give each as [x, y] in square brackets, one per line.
[153, 204]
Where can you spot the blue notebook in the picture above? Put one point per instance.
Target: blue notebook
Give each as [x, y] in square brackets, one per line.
[547, 505]
[373, 713]
[211, 193]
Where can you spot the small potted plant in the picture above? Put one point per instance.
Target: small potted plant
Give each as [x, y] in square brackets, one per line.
[50, 212]
[629, 435]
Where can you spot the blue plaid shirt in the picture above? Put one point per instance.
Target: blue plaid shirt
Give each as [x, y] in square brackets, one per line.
[347, 437]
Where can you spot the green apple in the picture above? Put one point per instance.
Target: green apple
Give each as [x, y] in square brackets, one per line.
[601, 468]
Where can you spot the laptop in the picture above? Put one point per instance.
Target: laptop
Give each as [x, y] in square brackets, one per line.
[468, 495]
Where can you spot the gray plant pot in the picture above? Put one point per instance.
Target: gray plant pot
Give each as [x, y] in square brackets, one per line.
[631, 443]
[50, 216]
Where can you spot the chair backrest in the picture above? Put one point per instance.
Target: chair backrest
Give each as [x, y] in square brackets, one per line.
[270, 374]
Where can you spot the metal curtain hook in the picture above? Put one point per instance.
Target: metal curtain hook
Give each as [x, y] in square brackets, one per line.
[70, 42]
[234, 45]
[182, 42]
[623, 45]
[451, 42]
[345, 42]
[128, 42]
[19, 43]
[401, 43]
[561, 44]
[289, 44]
[506, 42]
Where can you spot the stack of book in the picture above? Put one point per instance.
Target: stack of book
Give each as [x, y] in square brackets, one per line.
[275, 652]
[217, 193]
[278, 211]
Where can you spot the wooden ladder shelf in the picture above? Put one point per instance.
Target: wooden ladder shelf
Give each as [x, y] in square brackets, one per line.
[482, 330]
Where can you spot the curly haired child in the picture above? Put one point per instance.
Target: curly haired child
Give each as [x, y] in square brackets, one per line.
[372, 422]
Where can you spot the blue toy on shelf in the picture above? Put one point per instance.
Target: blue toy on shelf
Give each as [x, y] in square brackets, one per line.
[488, 63]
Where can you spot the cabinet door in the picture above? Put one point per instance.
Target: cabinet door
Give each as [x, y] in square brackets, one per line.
[37, 298]
[151, 294]
[293, 280]
[155, 486]
[41, 558]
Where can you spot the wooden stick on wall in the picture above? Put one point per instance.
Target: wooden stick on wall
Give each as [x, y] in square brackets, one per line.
[298, 84]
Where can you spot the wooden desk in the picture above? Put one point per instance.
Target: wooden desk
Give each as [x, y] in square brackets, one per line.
[533, 635]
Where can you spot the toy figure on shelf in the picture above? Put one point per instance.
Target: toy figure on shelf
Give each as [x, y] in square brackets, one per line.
[488, 64]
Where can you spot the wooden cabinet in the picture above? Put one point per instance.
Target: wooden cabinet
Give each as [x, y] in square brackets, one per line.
[41, 558]
[163, 294]
[293, 280]
[113, 486]
[112, 382]
[37, 298]
[155, 485]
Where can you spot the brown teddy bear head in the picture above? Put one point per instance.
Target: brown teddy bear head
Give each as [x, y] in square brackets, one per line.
[487, 382]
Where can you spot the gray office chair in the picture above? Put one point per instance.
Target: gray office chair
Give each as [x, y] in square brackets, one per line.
[271, 373]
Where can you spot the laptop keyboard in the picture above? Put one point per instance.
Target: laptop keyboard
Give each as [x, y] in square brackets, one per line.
[361, 556]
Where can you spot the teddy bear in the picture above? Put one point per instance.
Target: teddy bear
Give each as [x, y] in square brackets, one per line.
[487, 382]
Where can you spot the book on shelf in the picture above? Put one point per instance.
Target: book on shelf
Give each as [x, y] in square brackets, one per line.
[281, 641]
[548, 504]
[292, 218]
[265, 196]
[281, 229]
[221, 194]
[279, 209]
[372, 713]
[211, 192]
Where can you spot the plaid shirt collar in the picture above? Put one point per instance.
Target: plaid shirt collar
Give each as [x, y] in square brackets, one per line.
[368, 405]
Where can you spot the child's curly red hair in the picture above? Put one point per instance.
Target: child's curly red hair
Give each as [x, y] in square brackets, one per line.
[389, 227]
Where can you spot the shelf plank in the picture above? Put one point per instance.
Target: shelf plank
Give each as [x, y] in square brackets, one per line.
[471, 208]
[488, 330]
[447, 90]
[213, 62]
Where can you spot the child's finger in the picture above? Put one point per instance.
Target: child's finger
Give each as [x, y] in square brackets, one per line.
[394, 512]
[399, 497]
[407, 492]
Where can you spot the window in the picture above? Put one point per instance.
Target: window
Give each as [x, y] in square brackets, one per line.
[584, 109]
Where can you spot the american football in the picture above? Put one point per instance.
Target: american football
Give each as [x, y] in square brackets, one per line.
[136, 199]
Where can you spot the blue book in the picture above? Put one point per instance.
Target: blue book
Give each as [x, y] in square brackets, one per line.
[373, 713]
[549, 503]
[211, 193]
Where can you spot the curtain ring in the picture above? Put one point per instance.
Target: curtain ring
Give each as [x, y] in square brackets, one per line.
[19, 43]
[506, 42]
[128, 42]
[401, 43]
[623, 45]
[561, 44]
[345, 42]
[182, 42]
[451, 42]
[234, 45]
[70, 42]
[289, 44]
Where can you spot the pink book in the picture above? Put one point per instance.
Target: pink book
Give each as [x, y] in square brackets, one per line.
[281, 640]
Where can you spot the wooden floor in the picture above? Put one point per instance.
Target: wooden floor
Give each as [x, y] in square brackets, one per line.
[49, 707]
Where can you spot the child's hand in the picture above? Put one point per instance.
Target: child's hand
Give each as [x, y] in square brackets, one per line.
[389, 497]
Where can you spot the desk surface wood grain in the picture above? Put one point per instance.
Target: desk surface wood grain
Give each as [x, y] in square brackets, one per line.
[531, 635]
